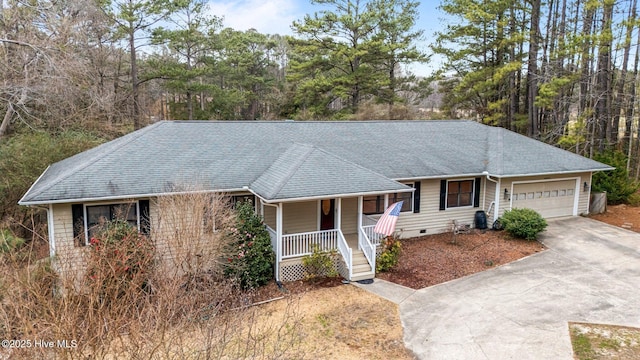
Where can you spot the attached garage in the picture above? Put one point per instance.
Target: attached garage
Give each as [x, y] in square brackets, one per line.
[550, 198]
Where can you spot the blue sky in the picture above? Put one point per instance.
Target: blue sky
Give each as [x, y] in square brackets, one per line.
[276, 16]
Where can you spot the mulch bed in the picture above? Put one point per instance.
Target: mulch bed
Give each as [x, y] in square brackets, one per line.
[434, 259]
[430, 260]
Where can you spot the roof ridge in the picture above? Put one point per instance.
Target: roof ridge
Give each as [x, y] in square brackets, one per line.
[128, 138]
[351, 162]
[294, 166]
[289, 121]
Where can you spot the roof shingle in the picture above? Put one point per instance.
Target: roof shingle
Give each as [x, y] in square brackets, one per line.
[230, 155]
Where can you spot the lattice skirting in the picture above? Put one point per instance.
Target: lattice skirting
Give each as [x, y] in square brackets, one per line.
[292, 269]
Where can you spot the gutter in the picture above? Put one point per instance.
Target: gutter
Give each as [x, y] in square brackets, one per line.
[318, 197]
[124, 197]
[554, 173]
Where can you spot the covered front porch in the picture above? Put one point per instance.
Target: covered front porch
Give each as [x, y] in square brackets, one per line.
[332, 224]
[309, 196]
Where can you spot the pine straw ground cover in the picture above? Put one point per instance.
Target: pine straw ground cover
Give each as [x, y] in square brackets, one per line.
[434, 259]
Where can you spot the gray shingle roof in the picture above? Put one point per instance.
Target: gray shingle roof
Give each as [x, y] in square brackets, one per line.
[290, 176]
[230, 155]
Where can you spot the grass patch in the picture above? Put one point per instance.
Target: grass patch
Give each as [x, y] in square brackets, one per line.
[595, 342]
[581, 345]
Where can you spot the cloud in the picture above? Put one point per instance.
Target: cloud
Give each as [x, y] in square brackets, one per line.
[266, 16]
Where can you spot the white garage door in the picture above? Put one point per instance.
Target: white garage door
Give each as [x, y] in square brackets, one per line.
[549, 198]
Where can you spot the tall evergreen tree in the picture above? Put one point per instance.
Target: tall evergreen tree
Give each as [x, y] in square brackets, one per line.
[189, 41]
[134, 20]
[351, 51]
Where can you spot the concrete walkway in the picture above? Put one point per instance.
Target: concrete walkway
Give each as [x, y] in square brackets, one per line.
[591, 273]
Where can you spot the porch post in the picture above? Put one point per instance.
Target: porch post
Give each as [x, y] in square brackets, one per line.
[360, 202]
[338, 213]
[278, 239]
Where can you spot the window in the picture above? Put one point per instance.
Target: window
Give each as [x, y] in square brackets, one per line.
[459, 193]
[375, 204]
[236, 199]
[89, 219]
[99, 215]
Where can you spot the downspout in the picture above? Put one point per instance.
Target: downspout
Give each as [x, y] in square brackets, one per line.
[50, 229]
[496, 201]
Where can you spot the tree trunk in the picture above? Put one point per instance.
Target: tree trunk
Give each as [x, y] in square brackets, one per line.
[532, 69]
[135, 91]
[603, 84]
[620, 99]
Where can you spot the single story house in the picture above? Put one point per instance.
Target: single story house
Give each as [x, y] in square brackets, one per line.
[316, 182]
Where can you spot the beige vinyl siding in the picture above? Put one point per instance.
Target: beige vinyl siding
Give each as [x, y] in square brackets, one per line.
[430, 218]
[300, 217]
[69, 261]
[349, 217]
[269, 216]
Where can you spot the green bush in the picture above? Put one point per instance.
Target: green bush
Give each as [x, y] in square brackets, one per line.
[9, 242]
[319, 263]
[120, 262]
[523, 223]
[250, 257]
[390, 254]
[617, 183]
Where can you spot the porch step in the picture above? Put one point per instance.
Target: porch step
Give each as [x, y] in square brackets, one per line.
[361, 268]
[363, 276]
[358, 258]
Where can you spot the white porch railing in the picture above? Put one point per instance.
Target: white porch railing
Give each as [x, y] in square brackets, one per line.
[300, 244]
[373, 236]
[367, 248]
[346, 253]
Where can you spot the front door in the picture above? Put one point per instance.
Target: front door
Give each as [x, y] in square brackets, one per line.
[327, 214]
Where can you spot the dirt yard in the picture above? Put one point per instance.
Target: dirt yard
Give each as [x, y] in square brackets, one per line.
[624, 216]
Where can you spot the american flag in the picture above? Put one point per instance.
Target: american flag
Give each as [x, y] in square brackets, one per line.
[387, 223]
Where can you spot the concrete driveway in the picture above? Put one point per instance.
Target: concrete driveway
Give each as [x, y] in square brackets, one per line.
[590, 273]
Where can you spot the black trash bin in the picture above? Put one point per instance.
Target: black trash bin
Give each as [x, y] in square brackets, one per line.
[481, 220]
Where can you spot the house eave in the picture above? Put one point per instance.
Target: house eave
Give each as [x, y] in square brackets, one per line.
[438, 177]
[329, 196]
[551, 173]
[125, 197]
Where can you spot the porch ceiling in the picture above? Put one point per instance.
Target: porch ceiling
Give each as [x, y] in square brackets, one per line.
[305, 171]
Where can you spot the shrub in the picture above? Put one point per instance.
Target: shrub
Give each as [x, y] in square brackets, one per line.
[390, 254]
[523, 223]
[319, 263]
[250, 256]
[120, 262]
[9, 242]
[616, 183]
